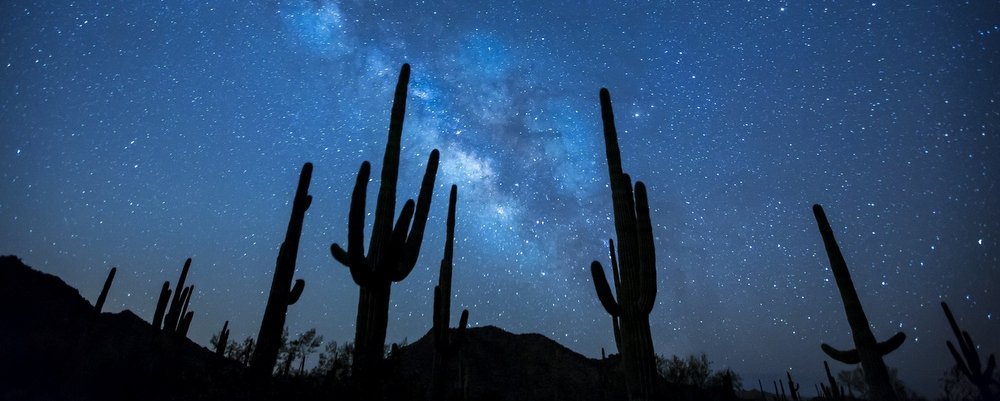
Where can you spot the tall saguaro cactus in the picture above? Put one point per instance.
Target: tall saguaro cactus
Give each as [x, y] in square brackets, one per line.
[867, 351]
[393, 250]
[283, 293]
[446, 344]
[634, 268]
[99, 305]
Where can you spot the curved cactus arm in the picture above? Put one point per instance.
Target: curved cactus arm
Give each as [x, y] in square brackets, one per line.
[416, 234]
[603, 289]
[614, 266]
[354, 256]
[887, 346]
[398, 241]
[849, 357]
[296, 291]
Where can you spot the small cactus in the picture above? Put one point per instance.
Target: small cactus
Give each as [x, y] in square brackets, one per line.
[99, 305]
[968, 361]
[446, 344]
[161, 306]
[220, 346]
[793, 388]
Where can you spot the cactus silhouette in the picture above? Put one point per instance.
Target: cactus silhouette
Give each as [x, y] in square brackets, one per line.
[833, 390]
[283, 293]
[793, 388]
[176, 319]
[161, 306]
[393, 250]
[868, 352]
[968, 361]
[446, 344]
[99, 305]
[633, 269]
[175, 312]
[223, 341]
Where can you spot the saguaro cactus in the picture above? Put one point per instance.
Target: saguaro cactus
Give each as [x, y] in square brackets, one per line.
[393, 250]
[968, 361]
[446, 344]
[223, 341]
[176, 319]
[283, 293]
[181, 296]
[793, 387]
[634, 268]
[99, 305]
[867, 351]
[161, 305]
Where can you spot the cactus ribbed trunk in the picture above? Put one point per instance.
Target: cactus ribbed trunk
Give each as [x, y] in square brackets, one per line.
[393, 250]
[633, 268]
[867, 350]
[283, 293]
[370, 328]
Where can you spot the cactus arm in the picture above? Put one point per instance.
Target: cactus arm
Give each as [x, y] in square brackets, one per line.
[398, 241]
[849, 357]
[174, 312]
[296, 291]
[416, 234]
[646, 249]
[185, 324]
[603, 289]
[161, 306]
[887, 346]
[99, 305]
[968, 360]
[223, 341]
[614, 266]
[354, 257]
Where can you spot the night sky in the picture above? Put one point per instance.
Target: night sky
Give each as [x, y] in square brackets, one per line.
[139, 133]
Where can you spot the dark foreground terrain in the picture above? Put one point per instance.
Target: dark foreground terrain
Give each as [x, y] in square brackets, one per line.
[55, 346]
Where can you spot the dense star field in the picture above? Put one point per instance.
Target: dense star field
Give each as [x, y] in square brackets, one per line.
[139, 133]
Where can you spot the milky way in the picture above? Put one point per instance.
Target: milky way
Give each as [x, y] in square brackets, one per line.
[137, 134]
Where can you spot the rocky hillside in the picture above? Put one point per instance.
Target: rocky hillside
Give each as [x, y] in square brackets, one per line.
[55, 346]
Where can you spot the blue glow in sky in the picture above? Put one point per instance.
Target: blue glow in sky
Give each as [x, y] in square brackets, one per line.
[137, 134]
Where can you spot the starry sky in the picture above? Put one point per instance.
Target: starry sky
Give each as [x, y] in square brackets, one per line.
[139, 133]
